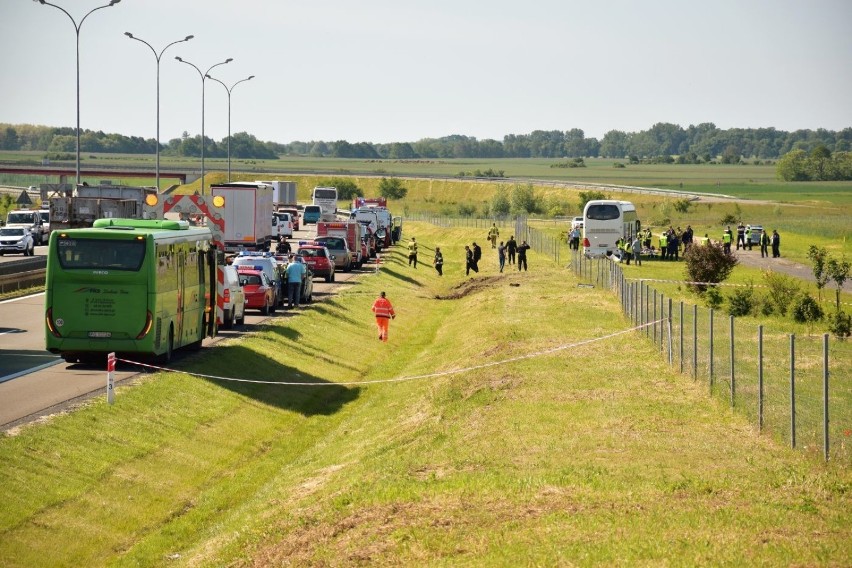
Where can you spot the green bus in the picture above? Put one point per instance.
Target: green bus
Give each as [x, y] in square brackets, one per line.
[130, 286]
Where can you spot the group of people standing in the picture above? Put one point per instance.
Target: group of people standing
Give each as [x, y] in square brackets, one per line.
[744, 239]
[671, 240]
[510, 252]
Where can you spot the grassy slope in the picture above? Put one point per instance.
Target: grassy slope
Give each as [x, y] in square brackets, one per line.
[596, 454]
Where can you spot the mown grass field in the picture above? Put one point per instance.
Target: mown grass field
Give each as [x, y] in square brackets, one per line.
[597, 454]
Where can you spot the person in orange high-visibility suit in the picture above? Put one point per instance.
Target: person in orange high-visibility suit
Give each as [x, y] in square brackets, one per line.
[384, 313]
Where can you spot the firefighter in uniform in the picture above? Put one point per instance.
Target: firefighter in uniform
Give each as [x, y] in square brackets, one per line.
[493, 233]
[384, 313]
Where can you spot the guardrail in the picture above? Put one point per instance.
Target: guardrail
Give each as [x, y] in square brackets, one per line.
[24, 273]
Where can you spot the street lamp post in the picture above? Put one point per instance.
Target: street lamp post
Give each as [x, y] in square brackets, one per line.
[203, 76]
[158, 56]
[229, 114]
[77, 31]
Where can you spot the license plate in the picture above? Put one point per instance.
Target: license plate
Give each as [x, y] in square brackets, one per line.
[100, 334]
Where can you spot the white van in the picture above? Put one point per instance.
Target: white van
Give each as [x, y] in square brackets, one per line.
[235, 299]
[282, 222]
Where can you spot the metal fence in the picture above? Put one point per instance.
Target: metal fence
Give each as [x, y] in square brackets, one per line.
[538, 240]
[797, 388]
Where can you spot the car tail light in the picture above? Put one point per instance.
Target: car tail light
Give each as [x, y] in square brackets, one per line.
[227, 295]
[586, 242]
[149, 321]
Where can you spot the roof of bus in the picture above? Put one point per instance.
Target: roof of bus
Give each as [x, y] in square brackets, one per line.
[156, 227]
[625, 205]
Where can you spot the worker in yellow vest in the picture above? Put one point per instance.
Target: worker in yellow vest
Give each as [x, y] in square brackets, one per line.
[727, 239]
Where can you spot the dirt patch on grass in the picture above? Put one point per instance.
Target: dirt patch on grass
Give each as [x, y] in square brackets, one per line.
[474, 285]
[374, 535]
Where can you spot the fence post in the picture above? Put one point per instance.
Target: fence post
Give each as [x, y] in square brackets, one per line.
[793, 390]
[681, 336]
[711, 350]
[733, 379]
[663, 325]
[636, 295]
[655, 316]
[760, 378]
[671, 339]
[825, 395]
[647, 305]
[694, 342]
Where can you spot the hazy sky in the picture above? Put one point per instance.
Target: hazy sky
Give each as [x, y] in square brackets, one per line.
[402, 70]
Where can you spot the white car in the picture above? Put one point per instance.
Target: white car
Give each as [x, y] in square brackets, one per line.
[16, 240]
[577, 223]
[235, 299]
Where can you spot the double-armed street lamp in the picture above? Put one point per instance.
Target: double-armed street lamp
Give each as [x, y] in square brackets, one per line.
[203, 77]
[158, 56]
[229, 89]
[77, 31]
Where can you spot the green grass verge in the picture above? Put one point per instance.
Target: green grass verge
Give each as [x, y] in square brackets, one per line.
[596, 454]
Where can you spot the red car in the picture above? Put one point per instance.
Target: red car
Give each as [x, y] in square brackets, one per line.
[259, 291]
[318, 260]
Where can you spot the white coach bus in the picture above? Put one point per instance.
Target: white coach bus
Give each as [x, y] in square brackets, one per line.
[604, 222]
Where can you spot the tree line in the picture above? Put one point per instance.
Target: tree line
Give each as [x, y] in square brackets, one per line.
[694, 144]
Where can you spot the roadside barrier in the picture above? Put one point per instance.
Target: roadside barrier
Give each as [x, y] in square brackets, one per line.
[517, 358]
[785, 383]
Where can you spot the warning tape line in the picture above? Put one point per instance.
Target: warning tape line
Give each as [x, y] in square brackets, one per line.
[408, 378]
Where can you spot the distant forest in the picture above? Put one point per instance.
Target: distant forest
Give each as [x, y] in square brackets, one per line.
[695, 144]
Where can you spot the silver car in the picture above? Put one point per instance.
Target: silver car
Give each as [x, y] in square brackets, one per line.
[17, 240]
[339, 250]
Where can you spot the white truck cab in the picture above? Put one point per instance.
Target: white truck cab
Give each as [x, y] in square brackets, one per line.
[29, 218]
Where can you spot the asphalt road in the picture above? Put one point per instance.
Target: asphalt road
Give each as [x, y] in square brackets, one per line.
[34, 383]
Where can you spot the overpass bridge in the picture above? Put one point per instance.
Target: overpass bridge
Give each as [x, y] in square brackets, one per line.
[65, 171]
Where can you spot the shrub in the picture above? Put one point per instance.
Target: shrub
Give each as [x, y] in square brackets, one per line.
[467, 210]
[500, 204]
[742, 302]
[392, 188]
[782, 290]
[682, 205]
[618, 165]
[713, 297]
[840, 324]
[586, 196]
[729, 219]
[806, 310]
[707, 263]
[524, 200]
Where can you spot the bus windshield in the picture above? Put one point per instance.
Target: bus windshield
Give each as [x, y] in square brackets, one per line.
[603, 212]
[97, 253]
